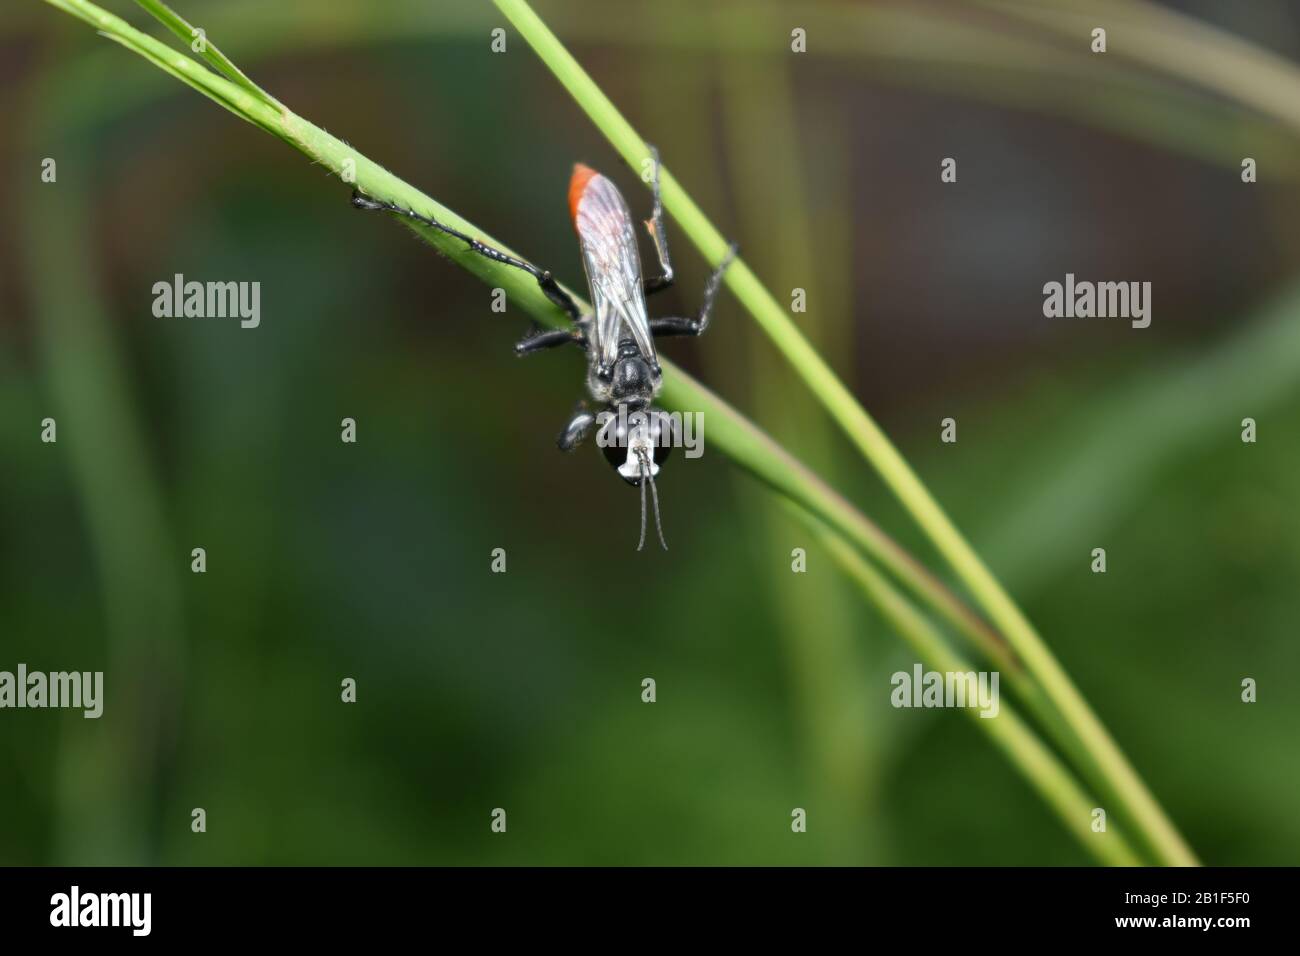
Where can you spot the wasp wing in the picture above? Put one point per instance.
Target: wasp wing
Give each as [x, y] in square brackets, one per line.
[613, 266]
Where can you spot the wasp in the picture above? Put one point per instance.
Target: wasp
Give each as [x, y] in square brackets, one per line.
[623, 373]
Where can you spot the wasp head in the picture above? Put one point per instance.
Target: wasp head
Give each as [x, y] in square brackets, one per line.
[635, 441]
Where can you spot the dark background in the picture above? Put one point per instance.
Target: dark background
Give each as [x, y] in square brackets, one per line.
[522, 690]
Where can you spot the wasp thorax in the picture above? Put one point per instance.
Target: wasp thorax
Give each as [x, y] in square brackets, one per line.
[632, 381]
[634, 441]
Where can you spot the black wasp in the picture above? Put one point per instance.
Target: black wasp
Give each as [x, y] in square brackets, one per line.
[623, 373]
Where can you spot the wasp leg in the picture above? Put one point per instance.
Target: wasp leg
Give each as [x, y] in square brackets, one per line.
[538, 340]
[545, 280]
[576, 431]
[697, 325]
[655, 226]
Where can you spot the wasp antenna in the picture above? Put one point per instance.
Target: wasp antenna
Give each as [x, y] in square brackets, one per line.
[641, 544]
[654, 494]
[647, 477]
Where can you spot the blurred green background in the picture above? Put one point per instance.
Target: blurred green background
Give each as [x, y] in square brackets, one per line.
[480, 690]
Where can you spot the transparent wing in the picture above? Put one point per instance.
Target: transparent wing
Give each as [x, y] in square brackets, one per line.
[613, 266]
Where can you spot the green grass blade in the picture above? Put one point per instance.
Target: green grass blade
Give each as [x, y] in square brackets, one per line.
[250, 106]
[182, 28]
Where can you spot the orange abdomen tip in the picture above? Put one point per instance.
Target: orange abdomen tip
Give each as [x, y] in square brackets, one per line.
[577, 186]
